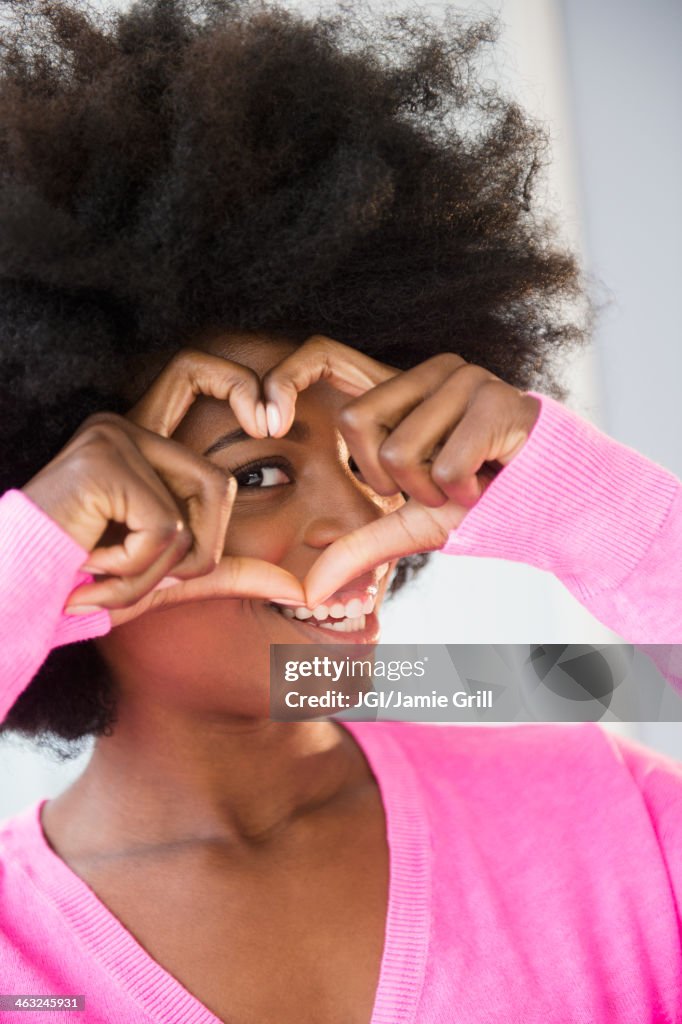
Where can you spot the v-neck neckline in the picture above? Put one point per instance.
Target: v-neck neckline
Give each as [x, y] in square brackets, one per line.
[407, 930]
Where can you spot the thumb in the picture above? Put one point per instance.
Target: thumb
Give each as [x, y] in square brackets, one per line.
[236, 576]
[408, 530]
[233, 576]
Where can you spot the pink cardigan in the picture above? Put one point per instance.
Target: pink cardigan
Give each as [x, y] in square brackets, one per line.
[536, 870]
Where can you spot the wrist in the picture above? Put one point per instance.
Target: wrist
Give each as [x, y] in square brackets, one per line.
[48, 494]
[573, 501]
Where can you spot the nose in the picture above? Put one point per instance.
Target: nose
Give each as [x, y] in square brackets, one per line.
[343, 505]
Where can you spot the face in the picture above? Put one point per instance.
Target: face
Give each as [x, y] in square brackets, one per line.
[296, 495]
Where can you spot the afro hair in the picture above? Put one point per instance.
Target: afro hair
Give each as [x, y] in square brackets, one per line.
[191, 164]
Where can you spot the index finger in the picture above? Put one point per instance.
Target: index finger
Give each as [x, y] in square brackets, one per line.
[191, 373]
[319, 358]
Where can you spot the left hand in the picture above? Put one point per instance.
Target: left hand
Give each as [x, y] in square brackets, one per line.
[438, 433]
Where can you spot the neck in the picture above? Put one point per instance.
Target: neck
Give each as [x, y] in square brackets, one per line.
[162, 779]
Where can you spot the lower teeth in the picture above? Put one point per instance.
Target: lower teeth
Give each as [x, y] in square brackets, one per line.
[345, 625]
[338, 626]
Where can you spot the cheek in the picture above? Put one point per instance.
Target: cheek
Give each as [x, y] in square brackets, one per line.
[262, 532]
[208, 654]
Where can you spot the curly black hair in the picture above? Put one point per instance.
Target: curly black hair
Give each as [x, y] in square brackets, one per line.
[187, 164]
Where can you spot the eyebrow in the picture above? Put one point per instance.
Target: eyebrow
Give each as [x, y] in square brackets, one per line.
[297, 432]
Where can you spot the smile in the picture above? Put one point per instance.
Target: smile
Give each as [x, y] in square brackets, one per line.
[351, 622]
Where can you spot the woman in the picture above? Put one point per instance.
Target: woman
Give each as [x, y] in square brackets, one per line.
[275, 305]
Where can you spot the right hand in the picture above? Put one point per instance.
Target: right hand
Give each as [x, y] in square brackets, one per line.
[121, 473]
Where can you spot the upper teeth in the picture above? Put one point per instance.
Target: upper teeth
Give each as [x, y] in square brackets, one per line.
[351, 609]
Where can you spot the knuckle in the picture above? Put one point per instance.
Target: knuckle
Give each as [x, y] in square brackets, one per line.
[490, 393]
[243, 383]
[85, 462]
[103, 416]
[321, 349]
[320, 342]
[476, 374]
[185, 359]
[449, 361]
[126, 594]
[95, 450]
[183, 365]
[203, 563]
[183, 538]
[99, 426]
[217, 483]
[394, 456]
[174, 531]
[442, 472]
[352, 418]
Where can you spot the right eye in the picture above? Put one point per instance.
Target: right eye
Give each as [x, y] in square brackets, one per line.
[260, 475]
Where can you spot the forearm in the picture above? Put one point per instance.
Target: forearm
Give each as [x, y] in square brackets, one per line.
[39, 567]
[604, 519]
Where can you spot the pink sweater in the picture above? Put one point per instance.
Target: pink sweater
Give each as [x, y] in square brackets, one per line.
[536, 870]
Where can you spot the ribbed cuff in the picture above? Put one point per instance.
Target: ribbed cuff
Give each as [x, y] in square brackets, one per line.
[46, 560]
[573, 502]
[71, 628]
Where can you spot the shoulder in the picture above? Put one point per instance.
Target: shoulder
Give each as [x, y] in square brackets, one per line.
[535, 761]
[21, 838]
[577, 788]
[495, 745]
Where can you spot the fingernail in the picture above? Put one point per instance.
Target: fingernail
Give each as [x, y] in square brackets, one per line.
[261, 419]
[82, 609]
[92, 569]
[273, 417]
[287, 600]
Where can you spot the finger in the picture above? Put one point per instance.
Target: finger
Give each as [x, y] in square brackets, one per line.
[369, 423]
[141, 505]
[493, 429]
[237, 576]
[406, 531]
[318, 358]
[194, 488]
[206, 493]
[471, 445]
[192, 373]
[136, 553]
[121, 592]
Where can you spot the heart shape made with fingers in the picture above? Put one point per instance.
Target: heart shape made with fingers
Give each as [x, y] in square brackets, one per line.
[442, 476]
[408, 415]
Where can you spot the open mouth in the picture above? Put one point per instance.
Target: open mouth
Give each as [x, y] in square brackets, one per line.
[351, 622]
